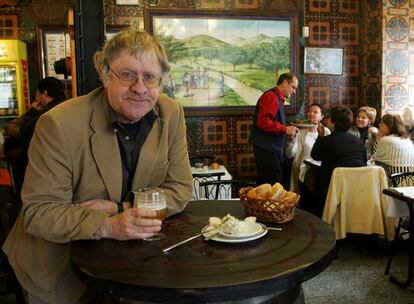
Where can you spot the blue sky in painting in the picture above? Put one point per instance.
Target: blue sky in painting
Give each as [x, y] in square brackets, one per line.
[223, 29]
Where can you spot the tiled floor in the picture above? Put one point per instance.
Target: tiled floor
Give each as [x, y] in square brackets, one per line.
[357, 276]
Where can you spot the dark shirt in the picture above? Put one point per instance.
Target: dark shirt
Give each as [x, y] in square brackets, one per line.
[340, 149]
[131, 138]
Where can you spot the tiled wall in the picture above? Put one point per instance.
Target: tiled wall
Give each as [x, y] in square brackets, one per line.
[336, 24]
[398, 59]
[378, 67]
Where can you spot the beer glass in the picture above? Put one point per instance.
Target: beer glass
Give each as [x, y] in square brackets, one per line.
[153, 199]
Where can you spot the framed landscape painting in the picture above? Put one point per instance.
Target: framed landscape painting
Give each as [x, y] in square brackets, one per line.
[222, 63]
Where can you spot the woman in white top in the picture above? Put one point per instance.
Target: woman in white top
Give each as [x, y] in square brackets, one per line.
[364, 129]
[394, 150]
[300, 147]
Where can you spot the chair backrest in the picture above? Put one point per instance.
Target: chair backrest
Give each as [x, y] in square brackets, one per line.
[390, 170]
[402, 179]
[225, 189]
[207, 160]
[355, 202]
[198, 178]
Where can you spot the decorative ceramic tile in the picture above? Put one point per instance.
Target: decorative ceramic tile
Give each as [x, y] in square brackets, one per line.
[349, 96]
[9, 27]
[245, 4]
[396, 97]
[349, 34]
[246, 166]
[243, 131]
[373, 67]
[351, 65]
[319, 6]
[214, 4]
[396, 62]
[319, 33]
[319, 95]
[215, 132]
[349, 6]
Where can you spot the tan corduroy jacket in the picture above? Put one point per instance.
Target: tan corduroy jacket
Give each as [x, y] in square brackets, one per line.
[74, 156]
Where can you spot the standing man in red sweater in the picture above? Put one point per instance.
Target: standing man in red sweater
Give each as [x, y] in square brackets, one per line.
[269, 131]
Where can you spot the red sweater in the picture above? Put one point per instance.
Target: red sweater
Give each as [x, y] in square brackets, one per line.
[267, 111]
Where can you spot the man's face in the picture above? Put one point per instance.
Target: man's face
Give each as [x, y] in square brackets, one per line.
[131, 103]
[288, 88]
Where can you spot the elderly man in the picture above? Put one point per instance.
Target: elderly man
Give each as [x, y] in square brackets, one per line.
[269, 131]
[86, 155]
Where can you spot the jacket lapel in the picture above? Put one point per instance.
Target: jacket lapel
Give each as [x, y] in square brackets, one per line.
[105, 148]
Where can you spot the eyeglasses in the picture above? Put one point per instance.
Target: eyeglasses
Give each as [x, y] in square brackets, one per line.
[129, 79]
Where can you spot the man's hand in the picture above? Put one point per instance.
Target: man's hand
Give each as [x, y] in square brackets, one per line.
[291, 130]
[133, 223]
[37, 105]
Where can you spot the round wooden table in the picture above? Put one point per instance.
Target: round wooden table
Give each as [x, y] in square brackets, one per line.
[266, 270]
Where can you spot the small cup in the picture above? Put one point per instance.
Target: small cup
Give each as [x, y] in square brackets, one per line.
[199, 165]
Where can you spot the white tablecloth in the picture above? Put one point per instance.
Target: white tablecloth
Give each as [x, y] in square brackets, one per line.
[199, 193]
[396, 207]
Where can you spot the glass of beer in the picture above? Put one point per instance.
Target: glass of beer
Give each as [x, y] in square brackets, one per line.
[153, 199]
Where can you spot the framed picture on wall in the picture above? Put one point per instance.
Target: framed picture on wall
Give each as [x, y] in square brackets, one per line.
[223, 62]
[323, 61]
[54, 46]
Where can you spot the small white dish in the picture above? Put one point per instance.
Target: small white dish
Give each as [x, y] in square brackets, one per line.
[247, 229]
[221, 238]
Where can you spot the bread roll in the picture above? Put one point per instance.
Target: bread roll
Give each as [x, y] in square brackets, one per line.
[277, 190]
[262, 190]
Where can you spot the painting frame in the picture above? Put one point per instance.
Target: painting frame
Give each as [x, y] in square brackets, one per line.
[54, 44]
[328, 61]
[155, 16]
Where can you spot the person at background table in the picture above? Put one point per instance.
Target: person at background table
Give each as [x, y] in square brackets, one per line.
[339, 149]
[364, 129]
[395, 150]
[19, 131]
[299, 148]
[269, 131]
[85, 157]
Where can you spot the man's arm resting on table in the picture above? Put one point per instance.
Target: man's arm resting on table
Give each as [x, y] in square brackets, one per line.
[133, 223]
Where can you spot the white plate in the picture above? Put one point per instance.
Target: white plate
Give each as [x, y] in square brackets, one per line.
[247, 229]
[303, 125]
[224, 239]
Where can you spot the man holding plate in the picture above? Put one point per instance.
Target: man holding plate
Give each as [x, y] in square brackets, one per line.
[269, 131]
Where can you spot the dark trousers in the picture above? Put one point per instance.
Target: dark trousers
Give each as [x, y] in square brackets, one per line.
[268, 166]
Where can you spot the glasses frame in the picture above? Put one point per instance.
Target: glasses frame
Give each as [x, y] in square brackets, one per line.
[122, 81]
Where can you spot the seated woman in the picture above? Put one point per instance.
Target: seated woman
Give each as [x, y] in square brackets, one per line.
[395, 151]
[364, 129]
[299, 148]
[339, 149]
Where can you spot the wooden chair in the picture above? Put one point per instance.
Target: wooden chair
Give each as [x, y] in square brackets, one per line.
[225, 189]
[404, 179]
[199, 178]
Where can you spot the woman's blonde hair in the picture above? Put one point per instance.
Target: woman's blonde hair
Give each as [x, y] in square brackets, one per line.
[371, 113]
[132, 41]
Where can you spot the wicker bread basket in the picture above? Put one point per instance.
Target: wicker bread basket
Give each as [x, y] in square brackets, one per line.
[270, 211]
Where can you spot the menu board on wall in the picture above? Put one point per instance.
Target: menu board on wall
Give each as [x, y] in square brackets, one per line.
[56, 46]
